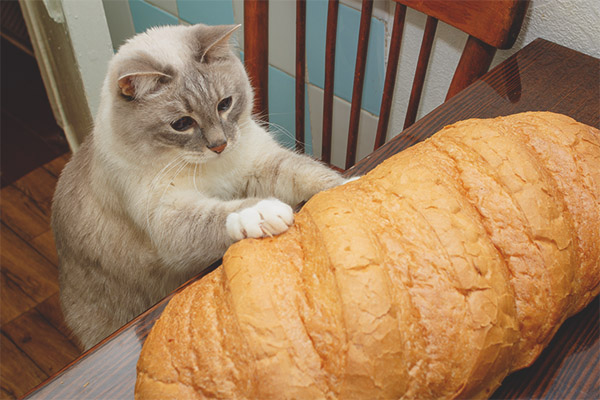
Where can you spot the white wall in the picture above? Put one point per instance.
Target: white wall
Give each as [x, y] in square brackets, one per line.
[571, 23]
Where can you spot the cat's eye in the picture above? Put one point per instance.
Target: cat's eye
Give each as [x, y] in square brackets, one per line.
[224, 104]
[183, 124]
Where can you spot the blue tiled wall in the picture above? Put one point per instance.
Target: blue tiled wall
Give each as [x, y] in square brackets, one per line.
[345, 55]
[282, 109]
[145, 15]
[148, 13]
[212, 12]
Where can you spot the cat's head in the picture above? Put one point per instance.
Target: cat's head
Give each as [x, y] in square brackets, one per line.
[178, 90]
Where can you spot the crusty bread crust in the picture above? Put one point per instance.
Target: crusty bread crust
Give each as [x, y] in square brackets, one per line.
[447, 267]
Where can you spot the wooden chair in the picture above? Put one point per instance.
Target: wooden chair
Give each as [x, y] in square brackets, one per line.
[490, 25]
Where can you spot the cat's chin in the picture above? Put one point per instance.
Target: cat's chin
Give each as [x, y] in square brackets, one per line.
[202, 158]
[198, 158]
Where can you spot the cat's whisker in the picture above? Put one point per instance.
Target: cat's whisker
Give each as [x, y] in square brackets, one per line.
[282, 130]
[180, 165]
[245, 124]
[259, 116]
[194, 177]
[156, 181]
[165, 169]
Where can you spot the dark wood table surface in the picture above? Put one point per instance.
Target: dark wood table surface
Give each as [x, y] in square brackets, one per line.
[543, 76]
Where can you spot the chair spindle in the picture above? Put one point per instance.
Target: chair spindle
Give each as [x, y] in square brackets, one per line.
[300, 73]
[332, 15]
[390, 75]
[417, 87]
[359, 80]
[256, 51]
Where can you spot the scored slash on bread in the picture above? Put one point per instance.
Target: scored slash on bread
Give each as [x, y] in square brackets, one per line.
[437, 274]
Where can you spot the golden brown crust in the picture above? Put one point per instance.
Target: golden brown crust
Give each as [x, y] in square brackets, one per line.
[530, 227]
[571, 153]
[434, 276]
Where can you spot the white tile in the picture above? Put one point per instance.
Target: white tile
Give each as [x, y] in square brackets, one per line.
[238, 19]
[238, 11]
[341, 119]
[282, 35]
[120, 23]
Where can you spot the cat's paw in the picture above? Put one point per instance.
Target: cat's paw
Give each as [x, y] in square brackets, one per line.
[267, 218]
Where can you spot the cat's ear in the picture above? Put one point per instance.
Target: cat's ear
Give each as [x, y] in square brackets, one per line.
[139, 77]
[213, 41]
[138, 84]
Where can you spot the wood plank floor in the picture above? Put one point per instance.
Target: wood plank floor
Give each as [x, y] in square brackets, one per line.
[34, 341]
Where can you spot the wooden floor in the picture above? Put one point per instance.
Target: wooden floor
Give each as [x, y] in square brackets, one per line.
[34, 340]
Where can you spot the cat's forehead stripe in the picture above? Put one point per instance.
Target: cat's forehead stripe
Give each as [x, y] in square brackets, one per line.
[197, 84]
[187, 104]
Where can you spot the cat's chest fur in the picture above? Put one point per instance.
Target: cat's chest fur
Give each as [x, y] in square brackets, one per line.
[224, 178]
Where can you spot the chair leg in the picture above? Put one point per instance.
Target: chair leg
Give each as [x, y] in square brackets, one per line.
[256, 50]
[474, 62]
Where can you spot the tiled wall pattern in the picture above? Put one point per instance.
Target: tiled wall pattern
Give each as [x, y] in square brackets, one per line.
[551, 19]
[127, 17]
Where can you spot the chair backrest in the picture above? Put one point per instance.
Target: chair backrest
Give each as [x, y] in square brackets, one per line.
[490, 25]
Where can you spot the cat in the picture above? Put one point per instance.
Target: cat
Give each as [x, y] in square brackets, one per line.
[175, 170]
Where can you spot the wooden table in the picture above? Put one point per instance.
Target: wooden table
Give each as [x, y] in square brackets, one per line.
[542, 76]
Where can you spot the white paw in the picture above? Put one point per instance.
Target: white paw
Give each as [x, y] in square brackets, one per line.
[267, 218]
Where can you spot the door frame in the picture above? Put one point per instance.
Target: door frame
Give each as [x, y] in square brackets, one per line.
[72, 46]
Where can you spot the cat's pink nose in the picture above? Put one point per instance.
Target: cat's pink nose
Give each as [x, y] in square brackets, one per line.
[218, 148]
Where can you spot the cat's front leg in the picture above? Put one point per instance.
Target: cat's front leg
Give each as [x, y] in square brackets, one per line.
[291, 177]
[268, 217]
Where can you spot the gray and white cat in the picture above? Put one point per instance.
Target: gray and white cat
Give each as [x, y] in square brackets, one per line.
[175, 171]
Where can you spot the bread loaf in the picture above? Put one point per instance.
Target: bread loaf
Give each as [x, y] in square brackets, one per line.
[441, 271]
